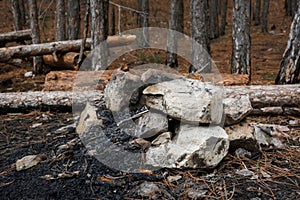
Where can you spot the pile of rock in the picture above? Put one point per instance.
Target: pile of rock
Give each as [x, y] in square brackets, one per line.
[182, 119]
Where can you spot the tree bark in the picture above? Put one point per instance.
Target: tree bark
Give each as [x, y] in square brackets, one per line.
[16, 14]
[257, 12]
[112, 24]
[99, 16]
[73, 19]
[213, 19]
[22, 13]
[143, 22]
[174, 26]
[261, 96]
[223, 17]
[35, 35]
[290, 63]
[60, 47]
[265, 14]
[241, 39]
[200, 61]
[60, 20]
[15, 36]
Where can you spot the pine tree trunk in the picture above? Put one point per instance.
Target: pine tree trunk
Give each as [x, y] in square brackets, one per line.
[73, 19]
[22, 13]
[290, 64]
[213, 19]
[35, 35]
[265, 14]
[241, 39]
[143, 22]
[112, 24]
[99, 16]
[17, 15]
[200, 61]
[60, 20]
[257, 12]
[174, 26]
[223, 17]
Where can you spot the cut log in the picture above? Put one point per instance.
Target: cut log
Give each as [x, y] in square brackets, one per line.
[56, 100]
[268, 95]
[65, 61]
[83, 80]
[15, 36]
[59, 47]
[261, 96]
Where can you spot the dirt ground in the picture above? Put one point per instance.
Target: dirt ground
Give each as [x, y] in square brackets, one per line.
[70, 172]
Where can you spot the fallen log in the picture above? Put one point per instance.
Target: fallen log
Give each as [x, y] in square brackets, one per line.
[56, 100]
[15, 36]
[65, 61]
[260, 96]
[59, 47]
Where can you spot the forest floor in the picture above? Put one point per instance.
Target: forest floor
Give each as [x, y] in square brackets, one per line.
[74, 174]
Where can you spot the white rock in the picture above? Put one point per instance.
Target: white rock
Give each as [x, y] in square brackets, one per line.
[188, 100]
[236, 109]
[28, 74]
[151, 124]
[192, 147]
[88, 118]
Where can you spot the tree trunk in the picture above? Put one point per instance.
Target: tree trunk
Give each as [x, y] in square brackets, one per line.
[35, 34]
[265, 14]
[60, 20]
[143, 22]
[61, 47]
[290, 63]
[241, 39]
[99, 14]
[200, 61]
[112, 24]
[22, 13]
[257, 12]
[73, 19]
[261, 96]
[174, 26]
[213, 19]
[223, 17]
[15, 36]
[16, 14]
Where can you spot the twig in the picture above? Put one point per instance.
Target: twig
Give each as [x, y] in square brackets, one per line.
[133, 117]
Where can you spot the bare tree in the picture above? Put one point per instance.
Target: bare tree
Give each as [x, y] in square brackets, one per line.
[60, 20]
[223, 17]
[73, 19]
[199, 32]
[241, 38]
[175, 25]
[256, 15]
[112, 29]
[17, 15]
[35, 34]
[143, 21]
[213, 19]
[265, 14]
[290, 63]
[99, 16]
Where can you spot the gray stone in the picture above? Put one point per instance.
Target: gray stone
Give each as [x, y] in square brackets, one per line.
[119, 90]
[236, 109]
[151, 124]
[242, 136]
[188, 100]
[88, 118]
[192, 147]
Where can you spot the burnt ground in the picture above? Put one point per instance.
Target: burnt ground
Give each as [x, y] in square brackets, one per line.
[72, 173]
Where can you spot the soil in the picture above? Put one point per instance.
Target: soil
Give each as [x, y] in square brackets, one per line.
[70, 172]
